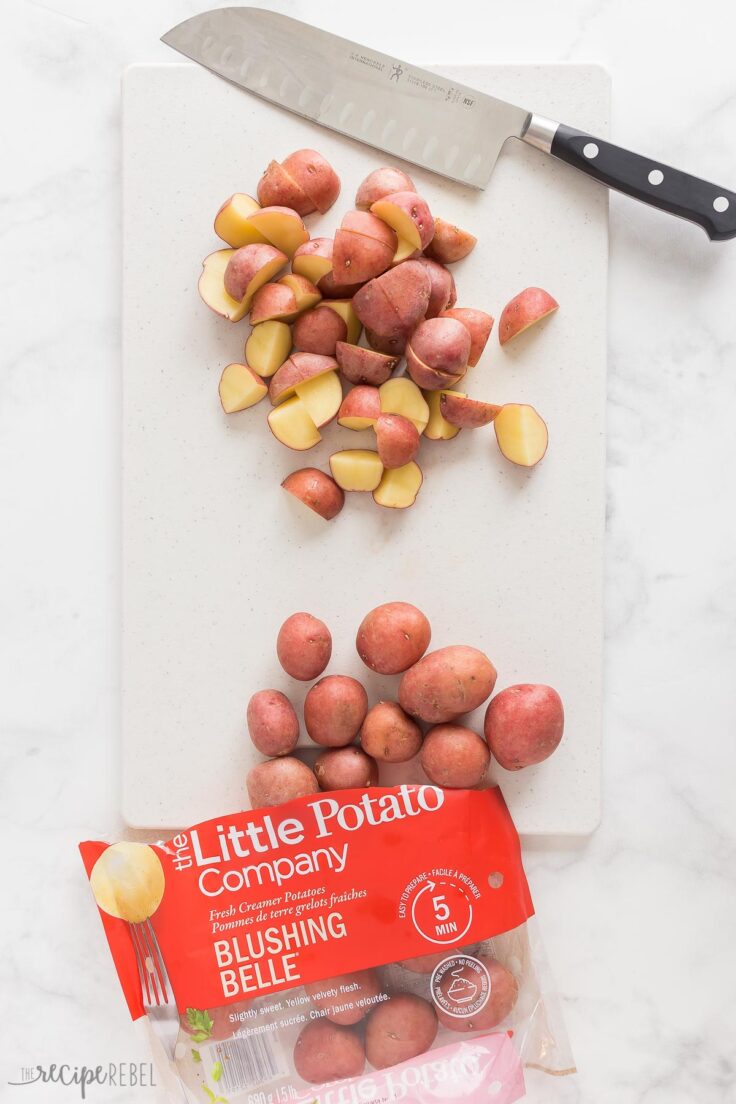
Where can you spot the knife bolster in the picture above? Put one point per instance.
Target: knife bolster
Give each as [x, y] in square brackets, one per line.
[540, 133]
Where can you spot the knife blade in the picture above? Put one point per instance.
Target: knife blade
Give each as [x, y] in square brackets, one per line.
[419, 116]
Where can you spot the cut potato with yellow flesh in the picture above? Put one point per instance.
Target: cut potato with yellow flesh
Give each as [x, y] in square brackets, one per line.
[399, 487]
[211, 287]
[313, 266]
[128, 881]
[240, 388]
[402, 396]
[521, 434]
[231, 221]
[345, 309]
[305, 293]
[356, 469]
[438, 428]
[404, 250]
[291, 424]
[282, 227]
[322, 396]
[267, 347]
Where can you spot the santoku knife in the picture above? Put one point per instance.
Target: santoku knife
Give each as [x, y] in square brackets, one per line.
[420, 116]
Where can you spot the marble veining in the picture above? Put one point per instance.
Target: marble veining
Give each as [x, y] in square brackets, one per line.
[638, 920]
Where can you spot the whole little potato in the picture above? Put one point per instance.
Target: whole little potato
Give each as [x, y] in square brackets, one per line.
[334, 709]
[345, 1008]
[326, 1051]
[392, 637]
[279, 780]
[503, 995]
[389, 735]
[437, 353]
[454, 757]
[398, 1029]
[447, 683]
[272, 723]
[524, 725]
[345, 768]
[304, 646]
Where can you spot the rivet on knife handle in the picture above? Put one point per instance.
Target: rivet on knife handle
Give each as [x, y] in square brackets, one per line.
[661, 186]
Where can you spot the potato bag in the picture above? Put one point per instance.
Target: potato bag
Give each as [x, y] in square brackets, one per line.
[352, 947]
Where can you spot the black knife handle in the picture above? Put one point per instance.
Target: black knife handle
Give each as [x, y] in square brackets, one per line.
[661, 186]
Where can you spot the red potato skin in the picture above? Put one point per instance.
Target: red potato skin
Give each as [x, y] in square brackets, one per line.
[364, 248]
[317, 490]
[397, 440]
[272, 301]
[466, 413]
[304, 646]
[326, 1051]
[389, 734]
[392, 304]
[479, 326]
[437, 354]
[524, 725]
[318, 331]
[298, 368]
[334, 710]
[370, 226]
[381, 183]
[279, 780]
[393, 637]
[332, 290]
[277, 188]
[364, 366]
[368, 985]
[362, 401]
[345, 768]
[449, 243]
[447, 683]
[400, 1028]
[358, 257]
[454, 757]
[500, 1004]
[529, 306]
[443, 294]
[315, 176]
[245, 264]
[392, 345]
[272, 723]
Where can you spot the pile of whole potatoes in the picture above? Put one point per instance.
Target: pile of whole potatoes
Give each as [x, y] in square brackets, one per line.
[523, 723]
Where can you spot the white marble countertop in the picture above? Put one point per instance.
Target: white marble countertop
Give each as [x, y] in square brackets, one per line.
[638, 920]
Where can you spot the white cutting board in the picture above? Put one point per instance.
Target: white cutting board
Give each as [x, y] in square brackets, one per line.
[216, 555]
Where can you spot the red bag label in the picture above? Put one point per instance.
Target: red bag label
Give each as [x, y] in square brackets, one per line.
[259, 902]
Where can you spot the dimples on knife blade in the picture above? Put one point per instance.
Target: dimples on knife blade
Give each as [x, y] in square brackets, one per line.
[409, 112]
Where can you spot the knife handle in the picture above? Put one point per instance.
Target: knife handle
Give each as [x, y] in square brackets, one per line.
[661, 186]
